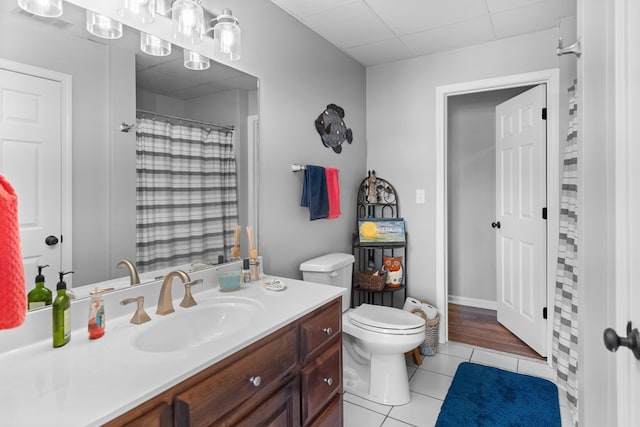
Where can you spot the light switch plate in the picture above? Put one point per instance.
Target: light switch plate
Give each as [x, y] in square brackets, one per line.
[420, 196]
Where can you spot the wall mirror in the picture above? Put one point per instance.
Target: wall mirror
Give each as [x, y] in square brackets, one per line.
[110, 80]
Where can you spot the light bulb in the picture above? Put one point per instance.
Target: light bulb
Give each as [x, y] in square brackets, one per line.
[195, 61]
[153, 45]
[46, 8]
[143, 11]
[101, 26]
[187, 18]
[226, 37]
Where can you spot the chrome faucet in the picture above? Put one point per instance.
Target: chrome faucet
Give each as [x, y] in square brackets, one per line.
[165, 303]
[133, 273]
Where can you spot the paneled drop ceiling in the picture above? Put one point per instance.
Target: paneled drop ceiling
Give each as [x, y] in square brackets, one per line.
[379, 31]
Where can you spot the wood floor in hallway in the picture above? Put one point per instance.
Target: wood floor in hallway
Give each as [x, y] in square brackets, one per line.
[480, 327]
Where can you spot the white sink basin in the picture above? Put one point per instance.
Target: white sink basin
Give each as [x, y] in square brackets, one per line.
[212, 319]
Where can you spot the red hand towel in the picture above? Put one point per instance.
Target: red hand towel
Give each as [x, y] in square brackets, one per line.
[333, 192]
[13, 304]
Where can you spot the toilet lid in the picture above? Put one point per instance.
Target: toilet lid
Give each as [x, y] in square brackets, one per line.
[386, 319]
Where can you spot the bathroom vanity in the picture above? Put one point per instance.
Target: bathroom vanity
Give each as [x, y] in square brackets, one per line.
[291, 377]
[278, 362]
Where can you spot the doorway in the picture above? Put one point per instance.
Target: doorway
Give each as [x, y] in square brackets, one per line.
[443, 94]
[471, 206]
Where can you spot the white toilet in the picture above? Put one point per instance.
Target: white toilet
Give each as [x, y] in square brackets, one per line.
[374, 338]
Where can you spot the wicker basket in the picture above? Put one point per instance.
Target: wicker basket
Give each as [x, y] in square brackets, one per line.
[429, 346]
[367, 281]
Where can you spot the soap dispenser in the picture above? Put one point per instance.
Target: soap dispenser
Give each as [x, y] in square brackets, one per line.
[96, 315]
[61, 314]
[40, 295]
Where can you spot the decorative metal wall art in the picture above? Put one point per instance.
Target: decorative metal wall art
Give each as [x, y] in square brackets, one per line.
[332, 129]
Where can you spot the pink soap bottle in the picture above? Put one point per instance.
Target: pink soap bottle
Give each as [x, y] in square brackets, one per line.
[96, 316]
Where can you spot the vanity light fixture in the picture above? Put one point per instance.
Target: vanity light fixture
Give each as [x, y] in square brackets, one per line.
[187, 19]
[142, 11]
[195, 61]
[153, 45]
[101, 26]
[226, 36]
[46, 8]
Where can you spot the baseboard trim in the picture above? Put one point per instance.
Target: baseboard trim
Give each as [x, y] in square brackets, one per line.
[473, 302]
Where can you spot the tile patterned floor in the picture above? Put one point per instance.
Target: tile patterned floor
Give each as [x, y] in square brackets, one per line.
[429, 384]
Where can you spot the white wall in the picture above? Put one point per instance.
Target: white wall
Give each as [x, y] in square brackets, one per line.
[471, 191]
[157, 103]
[401, 127]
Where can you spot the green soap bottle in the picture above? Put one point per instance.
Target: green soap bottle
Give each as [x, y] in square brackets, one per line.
[61, 314]
[40, 295]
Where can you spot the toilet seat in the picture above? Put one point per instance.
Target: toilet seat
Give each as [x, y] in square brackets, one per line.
[386, 320]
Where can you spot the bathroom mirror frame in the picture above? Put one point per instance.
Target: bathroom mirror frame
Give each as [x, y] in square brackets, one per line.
[162, 28]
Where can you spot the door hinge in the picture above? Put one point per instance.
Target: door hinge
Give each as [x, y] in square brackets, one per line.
[544, 213]
[61, 239]
[544, 313]
[544, 113]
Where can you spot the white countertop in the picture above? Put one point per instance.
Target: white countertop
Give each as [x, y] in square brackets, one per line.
[88, 382]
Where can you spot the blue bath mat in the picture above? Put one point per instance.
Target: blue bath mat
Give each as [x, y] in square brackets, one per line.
[486, 396]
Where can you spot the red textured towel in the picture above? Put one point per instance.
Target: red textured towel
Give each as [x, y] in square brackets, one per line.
[333, 191]
[13, 305]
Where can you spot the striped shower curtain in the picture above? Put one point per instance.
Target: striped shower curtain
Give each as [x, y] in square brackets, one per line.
[186, 195]
[565, 323]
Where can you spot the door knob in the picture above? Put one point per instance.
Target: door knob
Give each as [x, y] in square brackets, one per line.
[612, 341]
[51, 240]
[495, 224]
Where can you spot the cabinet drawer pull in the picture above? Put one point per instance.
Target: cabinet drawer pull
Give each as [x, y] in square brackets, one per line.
[328, 330]
[328, 381]
[255, 381]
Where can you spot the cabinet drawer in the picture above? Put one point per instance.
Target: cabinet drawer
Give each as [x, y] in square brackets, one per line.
[321, 380]
[214, 396]
[320, 328]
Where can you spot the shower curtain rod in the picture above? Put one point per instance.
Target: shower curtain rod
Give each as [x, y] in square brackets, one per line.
[181, 119]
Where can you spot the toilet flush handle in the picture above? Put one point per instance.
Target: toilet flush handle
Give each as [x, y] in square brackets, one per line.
[333, 274]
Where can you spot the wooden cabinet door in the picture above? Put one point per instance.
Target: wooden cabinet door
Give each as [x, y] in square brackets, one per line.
[281, 409]
[332, 415]
[321, 380]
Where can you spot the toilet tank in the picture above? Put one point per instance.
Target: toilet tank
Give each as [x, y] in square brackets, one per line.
[331, 269]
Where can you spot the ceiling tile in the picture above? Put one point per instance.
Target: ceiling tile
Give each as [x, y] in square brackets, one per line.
[502, 5]
[532, 18]
[474, 31]
[302, 8]
[412, 16]
[349, 25]
[380, 52]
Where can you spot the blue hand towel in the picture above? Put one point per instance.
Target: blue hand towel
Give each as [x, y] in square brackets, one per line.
[314, 192]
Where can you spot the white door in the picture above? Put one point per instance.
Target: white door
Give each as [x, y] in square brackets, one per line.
[520, 229]
[627, 236]
[30, 158]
